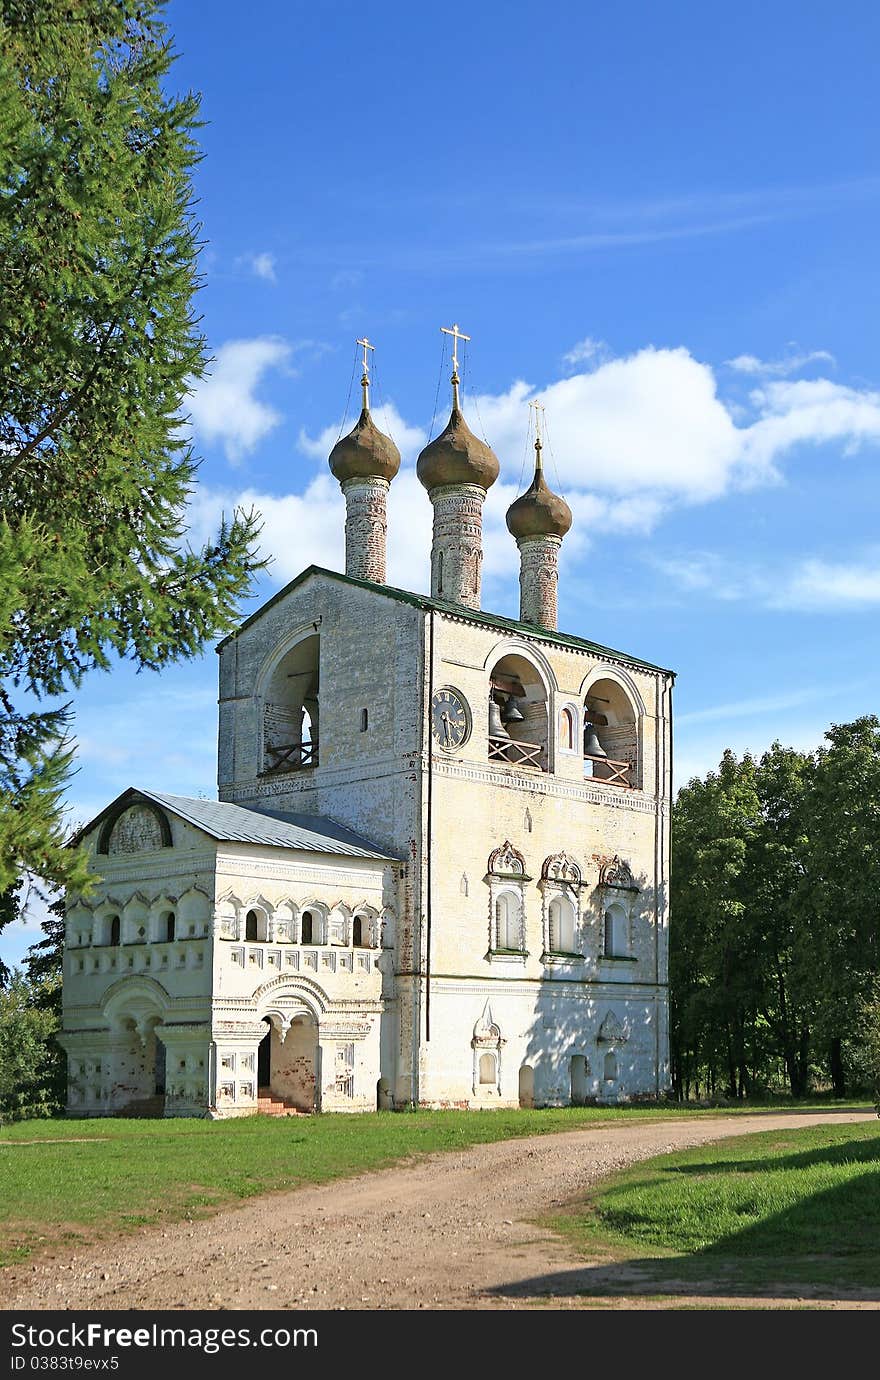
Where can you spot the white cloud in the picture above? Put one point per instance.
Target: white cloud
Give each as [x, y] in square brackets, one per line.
[808, 585]
[224, 406]
[790, 364]
[586, 351]
[263, 266]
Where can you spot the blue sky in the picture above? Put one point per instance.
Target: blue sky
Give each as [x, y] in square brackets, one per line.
[662, 220]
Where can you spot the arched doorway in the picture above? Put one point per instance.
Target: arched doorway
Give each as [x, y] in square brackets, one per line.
[287, 1061]
[527, 1086]
[578, 1074]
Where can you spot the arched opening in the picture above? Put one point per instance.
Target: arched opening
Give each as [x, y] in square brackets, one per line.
[114, 929]
[365, 720]
[264, 1057]
[508, 933]
[527, 1086]
[578, 1070]
[488, 1070]
[168, 923]
[610, 1068]
[517, 714]
[611, 735]
[251, 926]
[616, 945]
[566, 730]
[360, 932]
[561, 919]
[308, 927]
[290, 710]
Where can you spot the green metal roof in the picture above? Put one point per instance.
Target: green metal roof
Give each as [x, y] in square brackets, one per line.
[450, 610]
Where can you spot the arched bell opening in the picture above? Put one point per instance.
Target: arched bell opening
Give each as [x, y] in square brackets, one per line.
[291, 720]
[517, 714]
[611, 735]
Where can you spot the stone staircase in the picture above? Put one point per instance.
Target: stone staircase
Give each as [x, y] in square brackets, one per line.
[269, 1104]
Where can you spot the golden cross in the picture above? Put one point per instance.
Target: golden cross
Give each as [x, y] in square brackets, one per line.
[365, 380]
[539, 408]
[457, 335]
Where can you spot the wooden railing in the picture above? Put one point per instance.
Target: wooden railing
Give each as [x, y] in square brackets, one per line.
[517, 754]
[291, 756]
[609, 772]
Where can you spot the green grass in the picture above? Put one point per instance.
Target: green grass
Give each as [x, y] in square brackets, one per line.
[782, 1210]
[70, 1181]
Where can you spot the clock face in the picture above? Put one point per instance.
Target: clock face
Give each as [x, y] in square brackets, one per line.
[450, 719]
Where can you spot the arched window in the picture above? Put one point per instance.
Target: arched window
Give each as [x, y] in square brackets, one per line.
[518, 724]
[251, 926]
[566, 730]
[290, 710]
[561, 919]
[169, 926]
[507, 926]
[439, 572]
[365, 720]
[610, 1067]
[114, 929]
[360, 932]
[611, 736]
[308, 927]
[488, 1074]
[615, 932]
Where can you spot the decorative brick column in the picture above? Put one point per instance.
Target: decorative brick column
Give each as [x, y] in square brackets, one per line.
[457, 546]
[539, 580]
[366, 528]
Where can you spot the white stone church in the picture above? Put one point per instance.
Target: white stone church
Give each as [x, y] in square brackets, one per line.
[437, 872]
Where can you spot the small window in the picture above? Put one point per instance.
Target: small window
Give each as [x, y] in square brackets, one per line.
[114, 929]
[566, 730]
[307, 928]
[561, 918]
[365, 720]
[360, 932]
[610, 1068]
[487, 1070]
[170, 926]
[507, 923]
[251, 924]
[615, 932]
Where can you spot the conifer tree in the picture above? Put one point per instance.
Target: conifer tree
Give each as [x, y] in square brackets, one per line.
[99, 345]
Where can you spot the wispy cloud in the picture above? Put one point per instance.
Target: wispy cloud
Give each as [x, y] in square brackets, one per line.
[805, 585]
[781, 368]
[586, 351]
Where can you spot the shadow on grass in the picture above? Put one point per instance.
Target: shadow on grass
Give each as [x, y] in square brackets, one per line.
[846, 1152]
[825, 1247]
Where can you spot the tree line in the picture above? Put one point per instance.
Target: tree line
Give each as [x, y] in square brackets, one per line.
[775, 930]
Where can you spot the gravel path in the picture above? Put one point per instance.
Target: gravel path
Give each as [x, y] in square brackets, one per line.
[450, 1231]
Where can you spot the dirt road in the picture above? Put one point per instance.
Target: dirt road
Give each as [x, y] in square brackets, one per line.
[451, 1231]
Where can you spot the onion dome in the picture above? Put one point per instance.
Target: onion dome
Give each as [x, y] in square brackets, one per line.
[539, 512]
[456, 456]
[365, 453]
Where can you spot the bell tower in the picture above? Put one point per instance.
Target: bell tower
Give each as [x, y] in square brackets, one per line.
[457, 469]
[539, 519]
[365, 462]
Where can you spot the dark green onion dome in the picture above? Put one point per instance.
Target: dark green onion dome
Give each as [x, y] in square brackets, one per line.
[539, 512]
[456, 456]
[365, 453]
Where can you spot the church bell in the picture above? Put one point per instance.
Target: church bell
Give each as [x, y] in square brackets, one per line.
[592, 746]
[496, 727]
[511, 714]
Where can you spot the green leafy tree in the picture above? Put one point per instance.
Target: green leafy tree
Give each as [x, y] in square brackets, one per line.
[99, 345]
[31, 1062]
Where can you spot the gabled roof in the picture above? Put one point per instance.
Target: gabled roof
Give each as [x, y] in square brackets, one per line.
[234, 824]
[444, 606]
